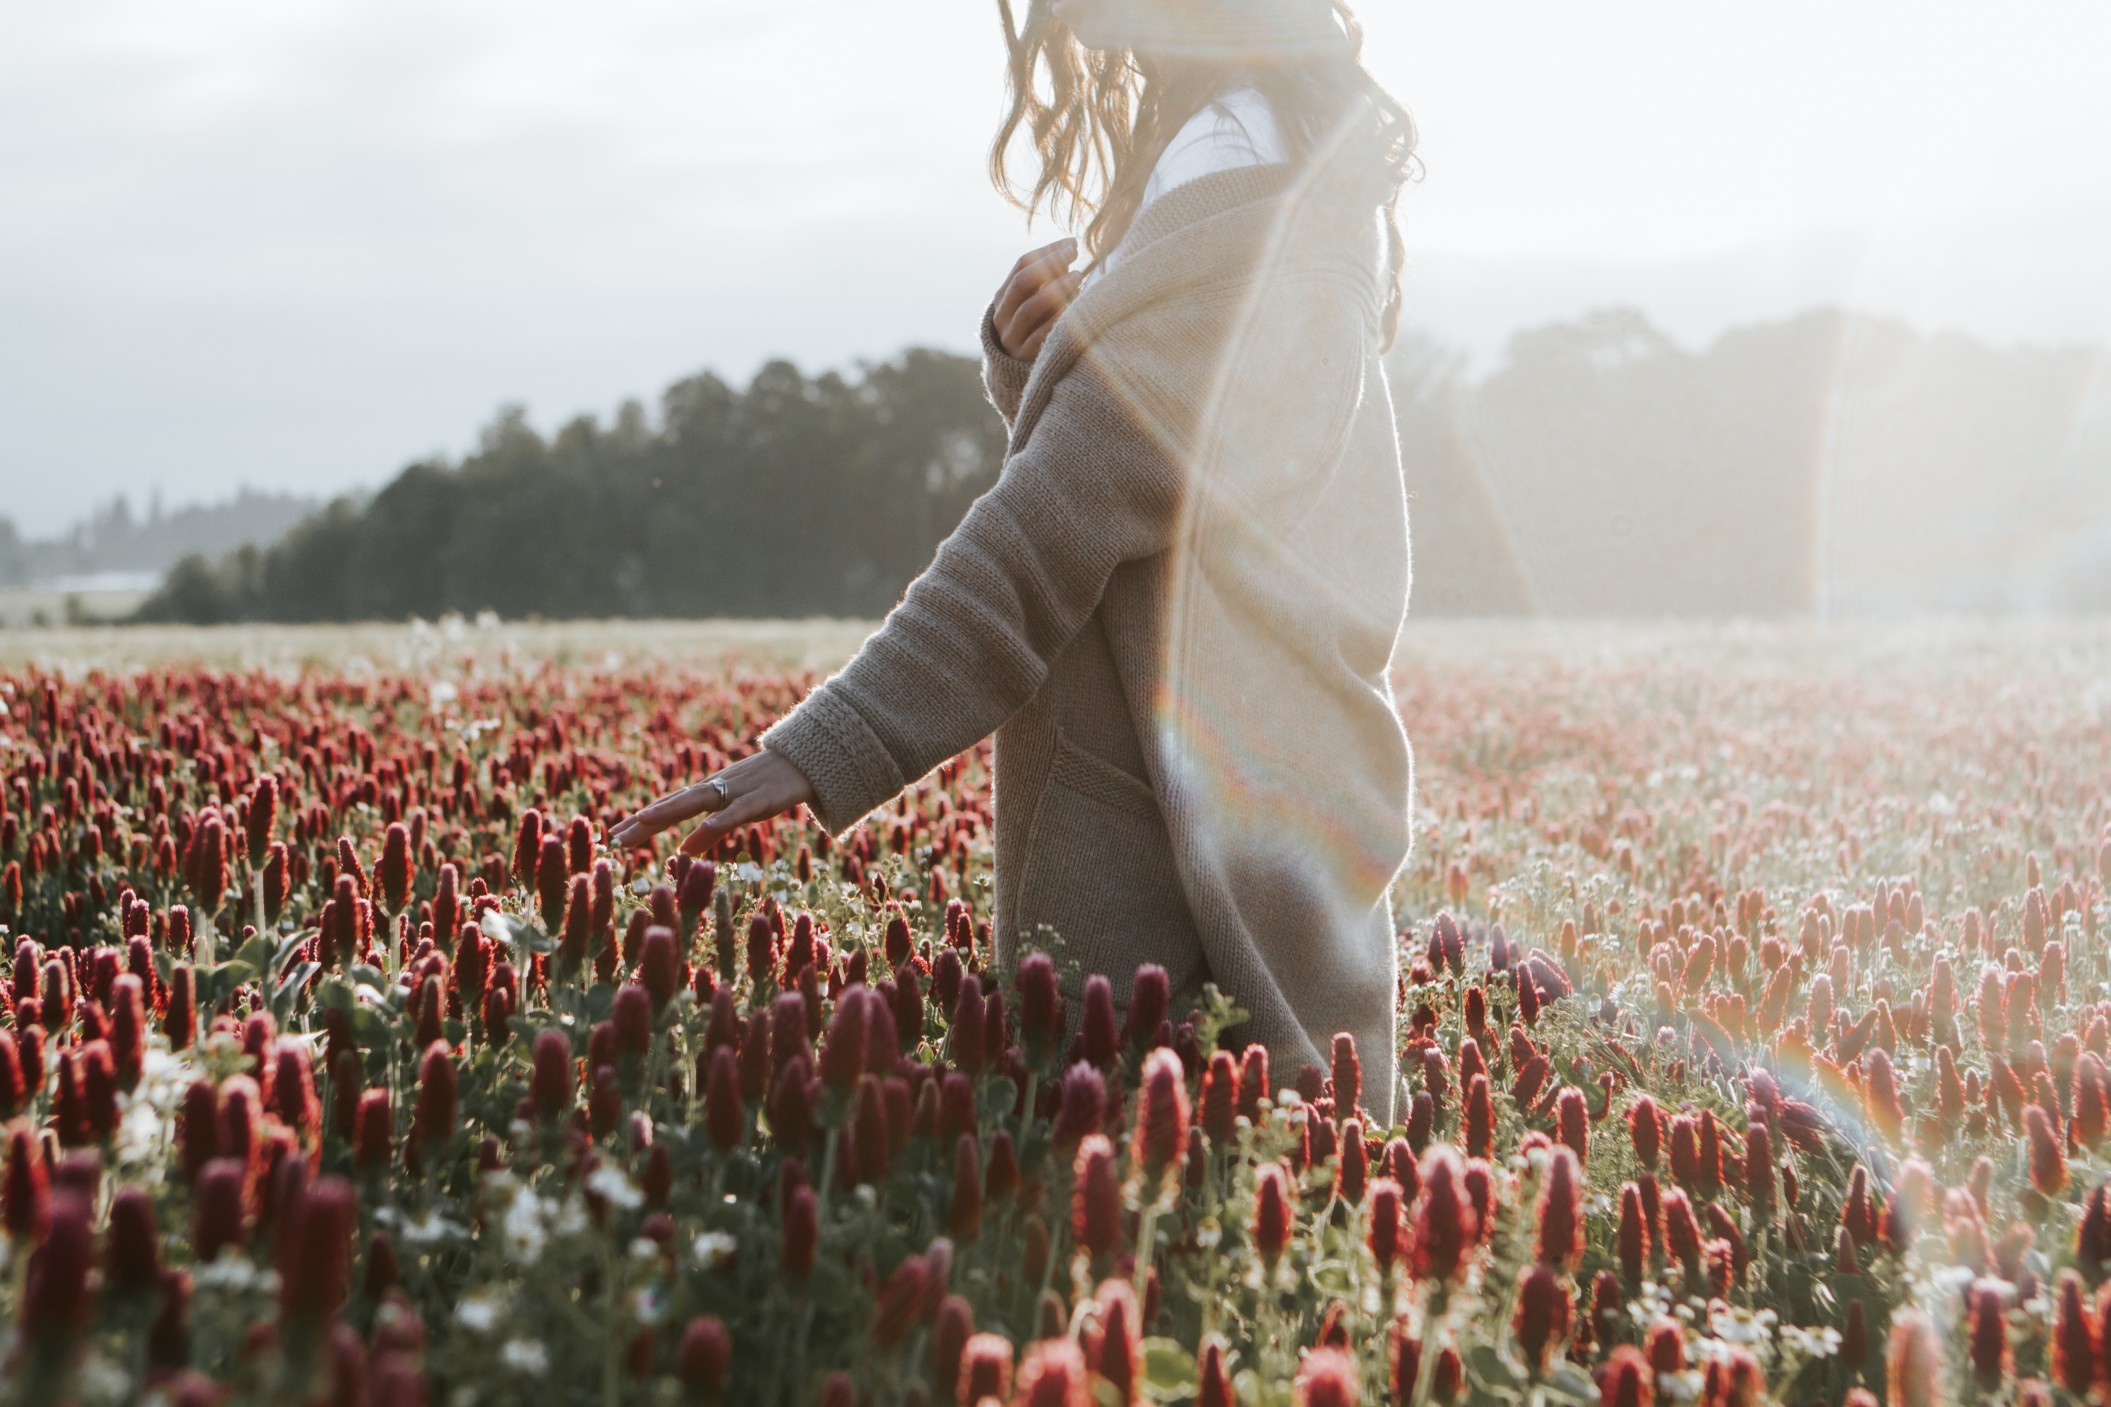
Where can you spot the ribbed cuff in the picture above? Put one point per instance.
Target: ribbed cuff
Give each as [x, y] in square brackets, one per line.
[848, 767]
[1003, 375]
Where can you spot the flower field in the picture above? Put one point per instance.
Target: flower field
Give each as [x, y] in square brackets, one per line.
[1755, 1019]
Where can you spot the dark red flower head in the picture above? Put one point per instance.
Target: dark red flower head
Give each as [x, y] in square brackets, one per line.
[1542, 1320]
[1561, 1231]
[134, 1253]
[1095, 1205]
[1159, 1140]
[1388, 1232]
[1053, 1374]
[55, 1294]
[1273, 1213]
[1040, 1007]
[1446, 1222]
[1327, 1377]
[1347, 1075]
[706, 1351]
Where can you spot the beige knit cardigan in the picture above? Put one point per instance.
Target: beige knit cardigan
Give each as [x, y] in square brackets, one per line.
[1176, 609]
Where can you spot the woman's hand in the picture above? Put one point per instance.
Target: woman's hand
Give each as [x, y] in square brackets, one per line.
[1035, 293]
[756, 788]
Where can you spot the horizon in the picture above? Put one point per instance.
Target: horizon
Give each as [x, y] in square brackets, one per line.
[141, 504]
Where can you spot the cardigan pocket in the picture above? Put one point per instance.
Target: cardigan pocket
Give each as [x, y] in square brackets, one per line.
[1099, 871]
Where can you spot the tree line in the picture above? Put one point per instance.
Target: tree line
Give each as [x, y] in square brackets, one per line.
[795, 496]
[1831, 460]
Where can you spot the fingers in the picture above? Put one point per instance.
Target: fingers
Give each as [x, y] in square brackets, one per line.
[1037, 316]
[757, 787]
[1029, 326]
[1034, 273]
[1034, 255]
[671, 809]
[770, 790]
[744, 811]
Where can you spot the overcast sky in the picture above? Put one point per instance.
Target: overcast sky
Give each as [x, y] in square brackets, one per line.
[298, 243]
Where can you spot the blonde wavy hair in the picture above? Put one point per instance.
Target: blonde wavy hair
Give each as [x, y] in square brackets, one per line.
[1107, 115]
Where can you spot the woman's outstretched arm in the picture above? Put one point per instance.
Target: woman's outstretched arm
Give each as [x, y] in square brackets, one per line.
[1096, 484]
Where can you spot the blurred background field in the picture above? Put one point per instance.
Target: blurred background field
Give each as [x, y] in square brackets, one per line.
[1994, 654]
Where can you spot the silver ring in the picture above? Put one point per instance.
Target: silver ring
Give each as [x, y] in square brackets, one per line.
[725, 797]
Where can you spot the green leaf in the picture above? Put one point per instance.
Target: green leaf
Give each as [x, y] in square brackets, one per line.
[1491, 1368]
[256, 952]
[525, 937]
[285, 949]
[1569, 1383]
[1168, 1370]
[289, 987]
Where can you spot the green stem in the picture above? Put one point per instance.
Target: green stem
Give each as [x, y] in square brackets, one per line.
[1142, 1273]
[806, 1324]
[1426, 1364]
[611, 1381]
[828, 1169]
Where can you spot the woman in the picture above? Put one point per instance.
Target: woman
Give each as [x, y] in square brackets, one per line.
[1177, 606]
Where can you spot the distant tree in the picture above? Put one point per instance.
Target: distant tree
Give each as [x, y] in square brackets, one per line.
[797, 496]
[14, 556]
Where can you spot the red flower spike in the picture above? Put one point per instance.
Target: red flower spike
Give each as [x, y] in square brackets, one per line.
[705, 1355]
[1327, 1377]
[1053, 1374]
[1560, 1240]
[1099, 1041]
[1274, 1213]
[660, 965]
[725, 1117]
[2076, 1335]
[1150, 998]
[985, 1368]
[1113, 1340]
[55, 1289]
[1478, 1133]
[1446, 1223]
[1159, 1139]
[1095, 1208]
[1913, 1362]
[1387, 1236]
[1040, 1018]
[1347, 1075]
[1542, 1319]
[1634, 1239]
[1625, 1380]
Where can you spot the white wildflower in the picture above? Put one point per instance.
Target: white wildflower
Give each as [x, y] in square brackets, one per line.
[524, 1230]
[477, 1314]
[429, 1228]
[714, 1249]
[612, 1183]
[229, 1271]
[525, 1356]
[101, 1380]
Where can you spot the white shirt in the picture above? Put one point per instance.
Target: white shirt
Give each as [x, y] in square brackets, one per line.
[1237, 129]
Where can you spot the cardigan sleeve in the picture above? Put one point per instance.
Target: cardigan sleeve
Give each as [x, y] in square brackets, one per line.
[1095, 485]
[1003, 375]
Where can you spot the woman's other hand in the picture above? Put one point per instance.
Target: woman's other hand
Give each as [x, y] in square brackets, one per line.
[1039, 287]
[756, 788]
